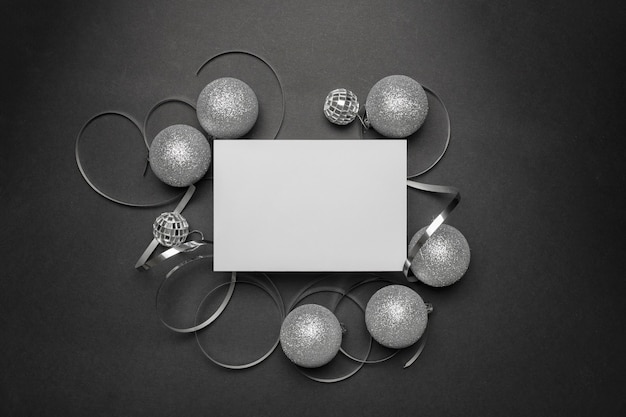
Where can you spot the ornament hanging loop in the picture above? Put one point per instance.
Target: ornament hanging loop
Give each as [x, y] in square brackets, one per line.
[364, 122]
[197, 232]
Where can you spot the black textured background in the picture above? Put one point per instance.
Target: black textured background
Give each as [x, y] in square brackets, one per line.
[535, 91]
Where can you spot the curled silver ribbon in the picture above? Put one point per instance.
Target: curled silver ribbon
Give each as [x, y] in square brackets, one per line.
[434, 225]
[188, 246]
[273, 292]
[91, 183]
[214, 316]
[448, 134]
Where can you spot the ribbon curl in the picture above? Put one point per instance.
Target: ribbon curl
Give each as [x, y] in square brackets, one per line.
[91, 183]
[273, 292]
[434, 225]
[197, 326]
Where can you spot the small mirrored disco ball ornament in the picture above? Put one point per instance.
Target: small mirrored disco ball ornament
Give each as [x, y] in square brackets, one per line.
[396, 316]
[310, 336]
[170, 229]
[341, 106]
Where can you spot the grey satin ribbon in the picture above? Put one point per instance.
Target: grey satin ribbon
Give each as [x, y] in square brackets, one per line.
[214, 316]
[273, 292]
[448, 134]
[434, 225]
[91, 183]
[188, 246]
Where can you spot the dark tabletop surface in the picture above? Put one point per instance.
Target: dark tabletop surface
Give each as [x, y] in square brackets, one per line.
[535, 92]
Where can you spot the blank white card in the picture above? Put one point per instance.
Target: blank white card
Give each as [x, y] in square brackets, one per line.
[309, 205]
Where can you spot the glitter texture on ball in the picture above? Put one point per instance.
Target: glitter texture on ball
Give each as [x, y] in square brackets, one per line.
[341, 106]
[170, 229]
[443, 259]
[180, 155]
[396, 316]
[396, 106]
[310, 336]
[227, 108]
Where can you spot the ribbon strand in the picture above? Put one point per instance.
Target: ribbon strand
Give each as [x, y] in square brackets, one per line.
[91, 183]
[273, 292]
[434, 225]
[214, 316]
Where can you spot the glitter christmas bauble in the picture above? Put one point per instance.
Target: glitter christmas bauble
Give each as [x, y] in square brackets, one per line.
[396, 106]
[443, 259]
[170, 229]
[180, 155]
[310, 336]
[396, 316]
[341, 106]
[227, 108]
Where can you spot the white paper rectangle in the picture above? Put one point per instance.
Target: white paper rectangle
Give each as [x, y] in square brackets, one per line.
[309, 205]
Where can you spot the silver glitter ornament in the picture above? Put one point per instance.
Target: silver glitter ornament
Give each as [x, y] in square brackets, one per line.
[227, 108]
[396, 316]
[341, 106]
[180, 155]
[170, 229]
[310, 336]
[443, 259]
[396, 106]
